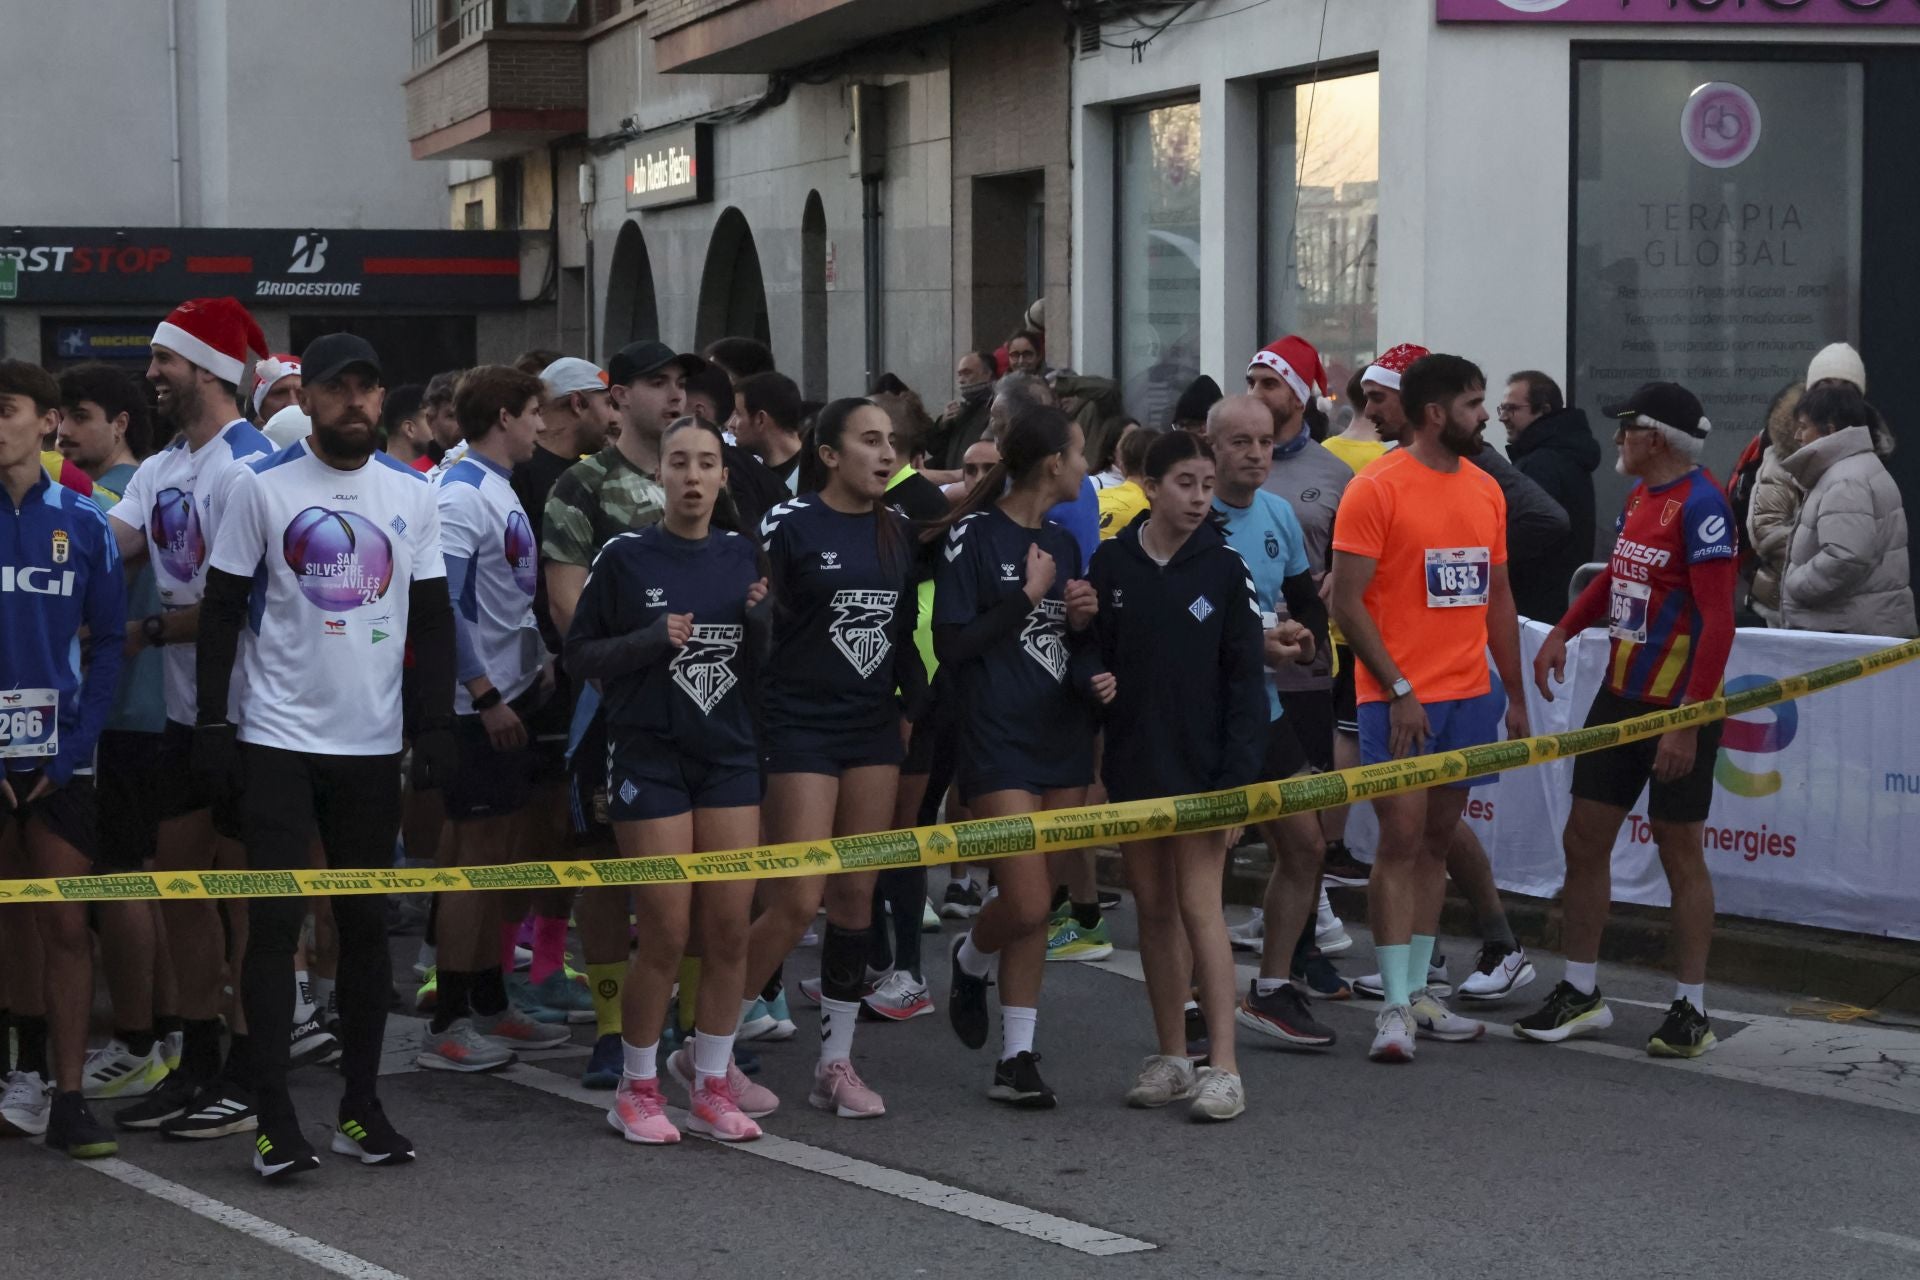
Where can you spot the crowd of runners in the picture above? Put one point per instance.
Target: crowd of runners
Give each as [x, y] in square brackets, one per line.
[277, 615]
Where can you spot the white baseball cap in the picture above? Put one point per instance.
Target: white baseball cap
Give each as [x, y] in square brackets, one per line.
[569, 374]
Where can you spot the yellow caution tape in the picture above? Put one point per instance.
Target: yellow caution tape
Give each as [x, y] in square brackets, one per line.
[979, 839]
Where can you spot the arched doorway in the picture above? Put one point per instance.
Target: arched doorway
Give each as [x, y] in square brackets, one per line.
[632, 312]
[813, 299]
[733, 296]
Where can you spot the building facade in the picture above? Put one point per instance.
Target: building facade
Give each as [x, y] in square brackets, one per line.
[1613, 191]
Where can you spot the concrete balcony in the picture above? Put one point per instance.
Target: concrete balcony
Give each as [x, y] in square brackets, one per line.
[494, 78]
[776, 35]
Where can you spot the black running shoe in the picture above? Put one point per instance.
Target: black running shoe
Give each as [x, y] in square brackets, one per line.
[1283, 1014]
[311, 1043]
[282, 1152]
[169, 1098]
[71, 1128]
[1568, 1012]
[1685, 1034]
[1017, 1082]
[1110, 900]
[368, 1136]
[216, 1111]
[967, 1002]
[1343, 868]
[1318, 976]
[1199, 1048]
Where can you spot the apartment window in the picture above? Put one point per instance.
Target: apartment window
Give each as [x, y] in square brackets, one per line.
[474, 216]
[1320, 216]
[1157, 247]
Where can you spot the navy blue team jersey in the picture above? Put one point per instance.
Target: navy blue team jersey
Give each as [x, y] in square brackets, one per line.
[59, 571]
[697, 697]
[843, 623]
[1023, 723]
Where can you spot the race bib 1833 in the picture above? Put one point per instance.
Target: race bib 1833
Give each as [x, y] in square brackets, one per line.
[1458, 577]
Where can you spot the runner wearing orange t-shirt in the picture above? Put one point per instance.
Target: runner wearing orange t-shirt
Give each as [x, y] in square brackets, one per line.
[1420, 588]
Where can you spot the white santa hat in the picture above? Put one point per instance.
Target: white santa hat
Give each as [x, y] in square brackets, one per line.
[214, 333]
[268, 373]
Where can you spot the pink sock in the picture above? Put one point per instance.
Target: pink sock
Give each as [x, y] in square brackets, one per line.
[549, 947]
[509, 938]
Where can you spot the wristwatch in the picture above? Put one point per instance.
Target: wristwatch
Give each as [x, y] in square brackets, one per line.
[153, 630]
[487, 701]
[1400, 688]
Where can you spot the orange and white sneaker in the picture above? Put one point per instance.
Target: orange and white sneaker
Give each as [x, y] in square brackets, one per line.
[838, 1088]
[640, 1113]
[756, 1100]
[718, 1116]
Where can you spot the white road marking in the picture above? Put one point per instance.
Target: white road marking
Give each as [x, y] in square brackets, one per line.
[1078, 1236]
[305, 1248]
[1887, 1238]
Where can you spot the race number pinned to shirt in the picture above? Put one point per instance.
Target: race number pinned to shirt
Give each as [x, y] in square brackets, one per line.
[1458, 577]
[29, 723]
[1628, 622]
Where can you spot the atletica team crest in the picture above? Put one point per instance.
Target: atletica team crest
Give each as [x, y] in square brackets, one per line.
[1042, 637]
[703, 668]
[859, 628]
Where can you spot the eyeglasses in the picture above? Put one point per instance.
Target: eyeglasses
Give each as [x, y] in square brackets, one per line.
[1508, 410]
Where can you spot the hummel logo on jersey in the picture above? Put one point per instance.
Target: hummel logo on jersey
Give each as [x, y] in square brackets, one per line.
[829, 559]
[860, 628]
[37, 580]
[1201, 608]
[1009, 573]
[703, 668]
[656, 596]
[1042, 637]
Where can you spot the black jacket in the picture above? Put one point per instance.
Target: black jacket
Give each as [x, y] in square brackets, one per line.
[1185, 648]
[1559, 453]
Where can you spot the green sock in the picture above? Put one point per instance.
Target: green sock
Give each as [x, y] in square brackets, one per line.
[1393, 971]
[1419, 957]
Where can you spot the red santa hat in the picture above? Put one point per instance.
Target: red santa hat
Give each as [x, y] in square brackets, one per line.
[1386, 369]
[1298, 365]
[214, 333]
[270, 371]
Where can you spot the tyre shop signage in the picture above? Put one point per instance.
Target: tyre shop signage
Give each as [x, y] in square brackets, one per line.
[260, 267]
[670, 166]
[1779, 13]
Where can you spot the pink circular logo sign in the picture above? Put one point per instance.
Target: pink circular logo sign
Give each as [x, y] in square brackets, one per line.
[1720, 124]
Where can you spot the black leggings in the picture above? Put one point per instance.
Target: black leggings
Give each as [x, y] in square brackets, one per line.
[899, 898]
[354, 803]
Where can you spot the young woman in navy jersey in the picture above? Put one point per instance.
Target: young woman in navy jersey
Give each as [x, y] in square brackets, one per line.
[1178, 626]
[673, 622]
[841, 687]
[1010, 607]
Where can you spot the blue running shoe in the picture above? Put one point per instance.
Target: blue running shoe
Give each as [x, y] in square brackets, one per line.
[783, 1027]
[603, 1068]
[756, 1022]
[564, 996]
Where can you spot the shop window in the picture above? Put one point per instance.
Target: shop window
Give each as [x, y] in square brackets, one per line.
[1157, 241]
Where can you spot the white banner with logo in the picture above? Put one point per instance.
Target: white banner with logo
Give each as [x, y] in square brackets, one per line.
[1815, 801]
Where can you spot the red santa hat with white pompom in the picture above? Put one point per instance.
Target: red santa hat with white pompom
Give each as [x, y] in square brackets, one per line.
[214, 333]
[1298, 365]
[1387, 368]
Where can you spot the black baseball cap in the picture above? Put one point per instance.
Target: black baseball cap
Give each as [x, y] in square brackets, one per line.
[332, 354]
[638, 359]
[1667, 403]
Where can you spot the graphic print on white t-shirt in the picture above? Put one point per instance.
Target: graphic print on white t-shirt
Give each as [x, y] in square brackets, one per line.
[334, 555]
[176, 498]
[482, 522]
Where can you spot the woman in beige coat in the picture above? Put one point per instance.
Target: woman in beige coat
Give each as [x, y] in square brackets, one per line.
[1847, 567]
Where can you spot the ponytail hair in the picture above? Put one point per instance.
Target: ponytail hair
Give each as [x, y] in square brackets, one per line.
[829, 429]
[1035, 432]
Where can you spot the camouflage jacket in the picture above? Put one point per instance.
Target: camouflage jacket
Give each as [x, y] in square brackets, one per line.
[595, 500]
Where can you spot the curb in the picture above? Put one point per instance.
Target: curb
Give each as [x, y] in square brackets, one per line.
[1827, 964]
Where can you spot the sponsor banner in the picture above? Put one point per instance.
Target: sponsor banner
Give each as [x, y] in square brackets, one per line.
[449, 270]
[1814, 799]
[1805, 857]
[670, 166]
[1725, 13]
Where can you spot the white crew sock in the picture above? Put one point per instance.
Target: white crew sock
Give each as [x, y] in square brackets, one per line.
[1582, 976]
[640, 1062]
[1693, 992]
[972, 961]
[1267, 986]
[837, 1019]
[1016, 1031]
[711, 1054]
[302, 997]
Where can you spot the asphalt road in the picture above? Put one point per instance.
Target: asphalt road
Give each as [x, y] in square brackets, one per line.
[1788, 1152]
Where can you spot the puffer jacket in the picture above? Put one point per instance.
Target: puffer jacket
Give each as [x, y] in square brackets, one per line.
[1847, 559]
[1775, 504]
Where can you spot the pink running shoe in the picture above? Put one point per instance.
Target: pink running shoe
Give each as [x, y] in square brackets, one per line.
[717, 1115]
[756, 1100]
[838, 1088]
[640, 1113]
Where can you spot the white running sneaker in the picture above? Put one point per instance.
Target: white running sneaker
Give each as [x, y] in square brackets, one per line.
[1501, 972]
[513, 1029]
[1329, 934]
[461, 1048]
[1372, 988]
[1162, 1080]
[115, 1071]
[1435, 1021]
[1252, 935]
[899, 996]
[1221, 1096]
[929, 918]
[1393, 1035]
[25, 1105]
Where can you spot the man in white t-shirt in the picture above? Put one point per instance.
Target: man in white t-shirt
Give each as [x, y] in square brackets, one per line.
[346, 546]
[170, 514]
